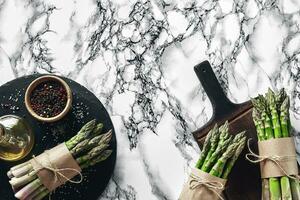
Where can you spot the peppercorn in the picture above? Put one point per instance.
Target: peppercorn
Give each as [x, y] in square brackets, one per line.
[48, 99]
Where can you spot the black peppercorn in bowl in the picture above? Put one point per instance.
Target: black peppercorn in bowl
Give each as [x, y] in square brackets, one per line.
[48, 98]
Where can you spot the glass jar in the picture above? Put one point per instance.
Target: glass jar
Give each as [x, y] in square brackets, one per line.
[16, 138]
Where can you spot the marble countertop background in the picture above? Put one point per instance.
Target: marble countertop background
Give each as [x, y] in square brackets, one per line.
[137, 57]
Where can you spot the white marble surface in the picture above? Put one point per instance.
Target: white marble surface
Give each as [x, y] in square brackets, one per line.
[138, 56]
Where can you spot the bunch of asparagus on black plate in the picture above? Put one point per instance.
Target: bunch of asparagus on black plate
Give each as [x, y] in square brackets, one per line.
[88, 147]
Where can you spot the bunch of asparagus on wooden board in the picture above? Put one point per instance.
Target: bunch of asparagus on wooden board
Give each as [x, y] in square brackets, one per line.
[220, 151]
[88, 147]
[271, 118]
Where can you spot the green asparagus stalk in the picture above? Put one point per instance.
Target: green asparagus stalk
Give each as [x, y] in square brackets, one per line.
[79, 147]
[205, 149]
[284, 117]
[275, 190]
[274, 114]
[258, 124]
[28, 189]
[218, 168]
[268, 126]
[36, 192]
[218, 152]
[92, 153]
[81, 135]
[232, 160]
[97, 130]
[41, 195]
[224, 134]
[214, 143]
[88, 144]
[22, 170]
[103, 156]
[265, 189]
[284, 181]
[280, 97]
[295, 187]
[284, 120]
[106, 137]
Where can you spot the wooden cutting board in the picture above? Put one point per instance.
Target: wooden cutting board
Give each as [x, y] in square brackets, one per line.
[244, 181]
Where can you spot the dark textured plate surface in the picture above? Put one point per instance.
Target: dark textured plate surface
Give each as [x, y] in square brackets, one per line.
[85, 107]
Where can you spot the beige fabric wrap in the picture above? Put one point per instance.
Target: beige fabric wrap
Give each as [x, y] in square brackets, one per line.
[195, 190]
[59, 158]
[283, 151]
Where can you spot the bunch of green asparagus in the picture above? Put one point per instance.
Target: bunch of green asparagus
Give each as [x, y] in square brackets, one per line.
[271, 118]
[88, 147]
[220, 151]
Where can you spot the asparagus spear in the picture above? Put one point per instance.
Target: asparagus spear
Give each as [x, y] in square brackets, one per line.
[275, 190]
[232, 160]
[214, 143]
[284, 117]
[79, 147]
[81, 135]
[22, 170]
[280, 97]
[97, 130]
[36, 192]
[274, 114]
[267, 125]
[223, 132]
[103, 156]
[258, 124]
[284, 181]
[10, 174]
[41, 195]
[18, 182]
[28, 189]
[205, 150]
[218, 152]
[265, 189]
[218, 168]
[88, 144]
[92, 153]
[284, 120]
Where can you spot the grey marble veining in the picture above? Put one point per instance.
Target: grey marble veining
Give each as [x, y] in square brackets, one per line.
[137, 57]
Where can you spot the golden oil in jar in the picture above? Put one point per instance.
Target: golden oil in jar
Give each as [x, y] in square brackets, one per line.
[16, 138]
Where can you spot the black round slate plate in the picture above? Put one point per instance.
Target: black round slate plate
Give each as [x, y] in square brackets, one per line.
[85, 107]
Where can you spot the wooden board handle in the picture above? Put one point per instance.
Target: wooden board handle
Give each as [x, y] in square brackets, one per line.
[222, 106]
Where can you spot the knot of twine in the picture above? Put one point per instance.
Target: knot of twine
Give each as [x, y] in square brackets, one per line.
[214, 186]
[58, 172]
[254, 158]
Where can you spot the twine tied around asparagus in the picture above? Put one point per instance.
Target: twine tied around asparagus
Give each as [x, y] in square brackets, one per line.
[254, 158]
[214, 186]
[58, 172]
